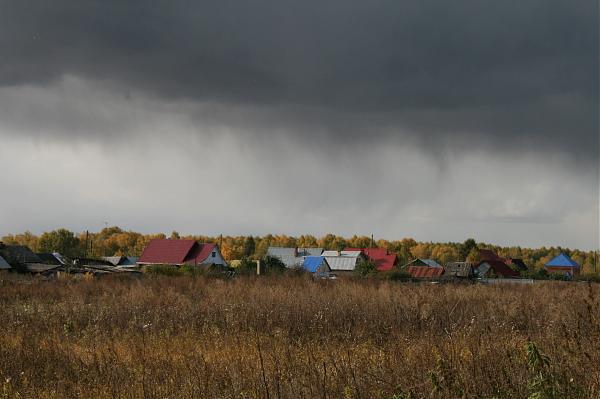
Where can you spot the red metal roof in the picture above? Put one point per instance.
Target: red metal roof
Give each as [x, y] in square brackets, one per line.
[165, 251]
[488, 254]
[425, 271]
[383, 260]
[199, 253]
[500, 268]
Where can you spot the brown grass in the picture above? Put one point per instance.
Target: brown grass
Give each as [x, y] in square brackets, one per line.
[293, 338]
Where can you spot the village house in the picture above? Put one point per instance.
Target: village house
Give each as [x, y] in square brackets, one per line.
[180, 252]
[515, 264]
[381, 257]
[563, 264]
[292, 257]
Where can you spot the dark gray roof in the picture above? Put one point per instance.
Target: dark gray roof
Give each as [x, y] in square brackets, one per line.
[21, 254]
[49, 259]
[121, 260]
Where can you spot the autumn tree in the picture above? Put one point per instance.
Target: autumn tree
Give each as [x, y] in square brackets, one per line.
[421, 251]
[62, 240]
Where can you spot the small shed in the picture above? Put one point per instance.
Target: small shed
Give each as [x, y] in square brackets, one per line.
[563, 264]
[317, 265]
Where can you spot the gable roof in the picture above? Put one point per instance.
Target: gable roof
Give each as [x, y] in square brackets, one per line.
[562, 260]
[312, 263]
[49, 259]
[115, 260]
[4, 264]
[21, 253]
[342, 261]
[382, 259]
[199, 253]
[425, 271]
[499, 267]
[167, 251]
[175, 252]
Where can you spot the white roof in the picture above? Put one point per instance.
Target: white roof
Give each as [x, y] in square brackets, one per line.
[330, 253]
[4, 264]
[351, 253]
[343, 263]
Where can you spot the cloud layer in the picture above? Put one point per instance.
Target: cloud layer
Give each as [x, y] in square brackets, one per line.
[426, 118]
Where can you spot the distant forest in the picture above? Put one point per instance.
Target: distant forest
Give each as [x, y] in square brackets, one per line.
[115, 241]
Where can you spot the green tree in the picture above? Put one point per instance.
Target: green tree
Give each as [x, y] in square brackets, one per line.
[466, 248]
[273, 265]
[249, 246]
[61, 240]
[365, 268]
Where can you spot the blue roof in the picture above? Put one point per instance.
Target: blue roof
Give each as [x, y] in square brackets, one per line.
[312, 263]
[562, 260]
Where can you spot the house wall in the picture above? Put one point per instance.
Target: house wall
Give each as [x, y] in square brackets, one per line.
[562, 270]
[323, 268]
[217, 259]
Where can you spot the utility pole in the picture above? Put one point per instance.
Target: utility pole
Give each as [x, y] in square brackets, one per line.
[87, 234]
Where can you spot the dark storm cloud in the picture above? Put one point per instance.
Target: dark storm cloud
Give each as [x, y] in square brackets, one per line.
[515, 73]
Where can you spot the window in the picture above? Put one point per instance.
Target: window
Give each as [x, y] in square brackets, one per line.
[214, 254]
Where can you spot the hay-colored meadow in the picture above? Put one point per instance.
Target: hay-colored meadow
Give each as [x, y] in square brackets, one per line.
[290, 337]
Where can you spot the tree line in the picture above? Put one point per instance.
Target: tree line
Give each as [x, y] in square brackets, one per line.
[112, 241]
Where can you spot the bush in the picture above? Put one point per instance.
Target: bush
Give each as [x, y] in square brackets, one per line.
[164, 270]
[247, 266]
[296, 271]
[365, 268]
[273, 265]
[397, 275]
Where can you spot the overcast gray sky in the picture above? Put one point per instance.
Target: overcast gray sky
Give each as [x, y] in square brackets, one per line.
[431, 119]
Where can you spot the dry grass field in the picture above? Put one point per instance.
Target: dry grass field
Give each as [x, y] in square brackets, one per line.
[290, 337]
